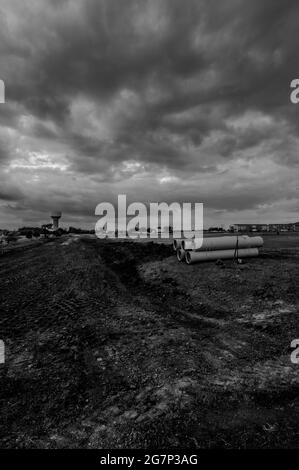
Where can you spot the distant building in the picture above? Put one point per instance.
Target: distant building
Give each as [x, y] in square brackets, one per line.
[244, 228]
[282, 227]
[216, 229]
[55, 216]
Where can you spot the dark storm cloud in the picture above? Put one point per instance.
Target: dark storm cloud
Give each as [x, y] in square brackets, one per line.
[98, 48]
[149, 90]
[10, 194]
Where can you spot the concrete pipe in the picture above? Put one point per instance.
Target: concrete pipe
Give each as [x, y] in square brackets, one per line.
[180, 254]
[201, 256]
[223, 243]
[177, 243]
[188, 244]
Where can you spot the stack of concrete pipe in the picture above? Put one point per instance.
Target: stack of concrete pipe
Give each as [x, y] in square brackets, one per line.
[214, 248]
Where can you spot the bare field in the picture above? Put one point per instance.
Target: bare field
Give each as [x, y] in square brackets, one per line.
[116, 344]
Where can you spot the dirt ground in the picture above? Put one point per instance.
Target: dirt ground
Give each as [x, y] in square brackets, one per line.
[116, 344]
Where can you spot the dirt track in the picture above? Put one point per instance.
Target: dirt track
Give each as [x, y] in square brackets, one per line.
[113, 344]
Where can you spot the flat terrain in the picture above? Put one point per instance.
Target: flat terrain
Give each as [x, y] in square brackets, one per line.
[116, 344]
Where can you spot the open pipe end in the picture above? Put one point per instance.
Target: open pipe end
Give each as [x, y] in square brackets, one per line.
[188, 257]
[180, 254]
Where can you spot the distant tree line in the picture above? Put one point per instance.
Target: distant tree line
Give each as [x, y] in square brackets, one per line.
[80, 230]
[46, 230]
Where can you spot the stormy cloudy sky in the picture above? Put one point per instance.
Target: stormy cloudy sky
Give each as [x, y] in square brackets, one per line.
[163, 100]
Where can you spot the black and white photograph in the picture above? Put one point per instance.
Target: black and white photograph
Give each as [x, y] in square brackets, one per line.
[149, 228]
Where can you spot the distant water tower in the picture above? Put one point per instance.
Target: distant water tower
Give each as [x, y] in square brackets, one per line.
[55, 216]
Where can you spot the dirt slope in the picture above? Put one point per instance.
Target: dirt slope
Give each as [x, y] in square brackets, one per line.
[113, 344]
